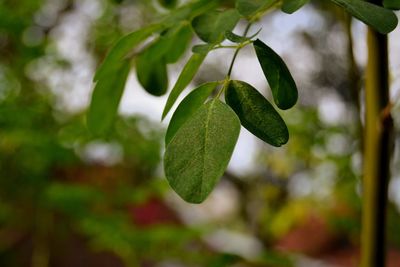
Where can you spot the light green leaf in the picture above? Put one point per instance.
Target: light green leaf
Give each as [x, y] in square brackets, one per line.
[248, 8]
[256, 114]
[187, 74]
[283, 86]
[199, 153]
[188, 107]
[379, 18]
[180, 43]
[392, 4]
[202, 48]
[189, 11]
[291, 6]
[105, 99]
[152, 75]
[122, 48]
[211, 26]
[235, 38]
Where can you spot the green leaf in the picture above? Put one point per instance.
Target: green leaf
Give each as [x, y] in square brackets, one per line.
[248, 8]
[105, 99]
[152, 75]
[188, 107]
[235, 38]
[211, 26]
[180, 42]
[122, 48]
[291, 6]
[280, 80]
[379, 18]
[189, 11]
[392, 4]
[202, 48]
[187, 74]
[256, 114]
[198, 155]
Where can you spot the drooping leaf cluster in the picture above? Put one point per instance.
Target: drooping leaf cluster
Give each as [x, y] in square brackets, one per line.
[203, 130]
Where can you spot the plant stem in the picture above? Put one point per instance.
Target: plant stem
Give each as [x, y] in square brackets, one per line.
[246, 31]
[378, 147]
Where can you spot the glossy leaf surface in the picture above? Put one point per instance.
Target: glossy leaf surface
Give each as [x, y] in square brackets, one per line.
[283, 86]
[189, 105]
[256, 114]
[198, 155]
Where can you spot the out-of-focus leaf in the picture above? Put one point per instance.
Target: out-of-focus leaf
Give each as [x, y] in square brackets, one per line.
[392, 4]
[187, 74]
[189, 11]
[202, 48]
[381, 19]
[256, 114]
[235, 38]
[152, 75]
[122, 48]
[211, 26]
[105, 99]
[188, 107]
[248, 8]
[291, 6]
[283, 86]
[168, 3]
[198, 155]
[180, 43]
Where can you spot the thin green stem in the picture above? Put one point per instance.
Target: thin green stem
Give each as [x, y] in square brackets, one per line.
[246, 31]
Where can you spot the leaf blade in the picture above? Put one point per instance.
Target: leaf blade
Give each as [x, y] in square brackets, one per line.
[105, 100]
[256, 114]
[187, 74]
[283, 86]
[199, 153]
[381, 19]
[291, 6]
[189, 105]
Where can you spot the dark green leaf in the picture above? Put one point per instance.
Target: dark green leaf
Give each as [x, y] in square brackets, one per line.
[188, 107]
[392, 4]
[211, 26]
[235, 38]
[379, 18]
[122, 48]
[248, 8]
[152, 75]
[198, 155]
[280, 80]
[256, 114]
[105, 99]
[187, 74]
[180, 43]
[291, 6]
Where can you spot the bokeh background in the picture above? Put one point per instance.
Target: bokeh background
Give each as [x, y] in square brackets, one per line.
[69, 199]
